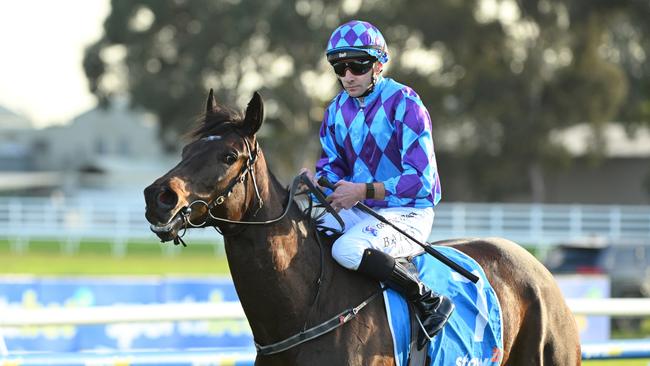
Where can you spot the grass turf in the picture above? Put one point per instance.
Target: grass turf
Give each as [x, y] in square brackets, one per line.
[96, 258]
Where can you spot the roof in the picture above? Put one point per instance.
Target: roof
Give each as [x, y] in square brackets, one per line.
[10, 120]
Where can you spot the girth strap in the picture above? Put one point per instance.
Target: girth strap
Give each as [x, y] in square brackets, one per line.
[315, 332]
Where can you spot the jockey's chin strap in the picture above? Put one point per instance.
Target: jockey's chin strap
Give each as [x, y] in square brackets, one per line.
[371, 87]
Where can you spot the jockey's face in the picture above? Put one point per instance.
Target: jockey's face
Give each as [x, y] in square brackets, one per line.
[356, 85]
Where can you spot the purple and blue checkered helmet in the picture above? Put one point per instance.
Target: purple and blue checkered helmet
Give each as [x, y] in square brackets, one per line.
[354, 39]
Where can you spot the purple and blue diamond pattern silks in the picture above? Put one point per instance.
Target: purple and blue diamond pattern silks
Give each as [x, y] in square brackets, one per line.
[355, 34]
[387, 140]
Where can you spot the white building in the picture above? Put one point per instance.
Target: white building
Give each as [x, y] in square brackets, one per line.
[114, 149]
[14, 155]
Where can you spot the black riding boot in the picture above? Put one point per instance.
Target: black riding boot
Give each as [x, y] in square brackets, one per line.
[434, 308]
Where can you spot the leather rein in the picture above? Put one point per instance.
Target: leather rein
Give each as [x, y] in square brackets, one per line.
[249, 169]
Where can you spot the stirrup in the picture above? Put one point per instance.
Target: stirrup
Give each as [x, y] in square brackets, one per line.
[442, 313]
[424, 331]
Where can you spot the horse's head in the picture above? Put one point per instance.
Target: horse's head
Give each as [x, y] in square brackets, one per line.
[210, 180]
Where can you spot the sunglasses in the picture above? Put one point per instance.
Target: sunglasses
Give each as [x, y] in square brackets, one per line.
[356, 67]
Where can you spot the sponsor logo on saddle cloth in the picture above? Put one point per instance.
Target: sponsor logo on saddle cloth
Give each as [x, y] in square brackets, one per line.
[371, 229]
[375, 229]
[473, 336]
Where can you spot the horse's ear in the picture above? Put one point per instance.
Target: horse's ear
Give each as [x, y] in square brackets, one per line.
[254, 115]
[211, 104]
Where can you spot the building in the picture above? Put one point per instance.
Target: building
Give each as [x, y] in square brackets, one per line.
[113, 149]
[622, 177]
[14, 154]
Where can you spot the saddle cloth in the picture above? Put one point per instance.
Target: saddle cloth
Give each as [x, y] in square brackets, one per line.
[473, 336]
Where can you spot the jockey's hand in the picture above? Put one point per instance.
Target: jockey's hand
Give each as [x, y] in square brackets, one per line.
[347, 194]
[309, 175]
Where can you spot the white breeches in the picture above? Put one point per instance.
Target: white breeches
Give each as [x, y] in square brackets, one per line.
[363, 231]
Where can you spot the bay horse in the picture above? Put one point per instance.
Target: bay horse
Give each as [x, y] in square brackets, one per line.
[286, 281]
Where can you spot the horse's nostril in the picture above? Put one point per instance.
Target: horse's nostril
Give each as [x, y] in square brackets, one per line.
[167, 198]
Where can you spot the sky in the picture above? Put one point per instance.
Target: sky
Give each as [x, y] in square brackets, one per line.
[41, 46]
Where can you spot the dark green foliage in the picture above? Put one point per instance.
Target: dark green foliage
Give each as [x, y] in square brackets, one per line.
[500, 85]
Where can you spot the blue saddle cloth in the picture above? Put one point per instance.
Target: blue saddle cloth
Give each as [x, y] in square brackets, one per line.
[473, 335]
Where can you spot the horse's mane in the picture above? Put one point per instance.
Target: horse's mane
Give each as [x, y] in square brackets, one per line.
[215, 122]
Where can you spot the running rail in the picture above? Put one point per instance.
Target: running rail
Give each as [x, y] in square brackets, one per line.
[169, 312]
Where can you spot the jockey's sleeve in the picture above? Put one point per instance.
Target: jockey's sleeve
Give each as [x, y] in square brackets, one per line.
[418, 184]
[331, 164]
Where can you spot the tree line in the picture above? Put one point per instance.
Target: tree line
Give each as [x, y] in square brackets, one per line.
[499, 77]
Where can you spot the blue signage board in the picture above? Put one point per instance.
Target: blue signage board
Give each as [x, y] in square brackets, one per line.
[592, 328]
[33, 293]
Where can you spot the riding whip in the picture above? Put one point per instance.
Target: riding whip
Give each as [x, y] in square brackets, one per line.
[323, 181]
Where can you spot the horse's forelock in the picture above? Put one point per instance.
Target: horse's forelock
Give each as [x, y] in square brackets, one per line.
[217, 122]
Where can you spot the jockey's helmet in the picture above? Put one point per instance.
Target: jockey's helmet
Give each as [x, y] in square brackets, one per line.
[357, 39]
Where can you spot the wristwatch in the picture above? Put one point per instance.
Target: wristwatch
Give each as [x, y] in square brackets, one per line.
[370, 190]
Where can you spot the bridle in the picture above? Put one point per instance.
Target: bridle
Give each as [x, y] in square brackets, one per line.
[306, 334]
[248, 168]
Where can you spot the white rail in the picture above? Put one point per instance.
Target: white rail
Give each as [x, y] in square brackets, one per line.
[617, 307]
[232, 310]
[121, 314]
[73, 220]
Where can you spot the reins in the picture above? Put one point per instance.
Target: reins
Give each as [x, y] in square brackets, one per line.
[315, 331]
[248, 168]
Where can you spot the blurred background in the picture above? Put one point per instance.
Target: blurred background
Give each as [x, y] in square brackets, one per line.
[540, 111]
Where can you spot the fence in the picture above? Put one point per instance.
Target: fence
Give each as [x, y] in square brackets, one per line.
[620, 307]
[71, 221]
[230, 310]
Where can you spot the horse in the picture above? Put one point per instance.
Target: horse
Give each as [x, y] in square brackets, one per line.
[286, 281]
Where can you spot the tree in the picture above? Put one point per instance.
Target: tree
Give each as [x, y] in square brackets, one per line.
[510, 75]
[175, 51]
[499, 77]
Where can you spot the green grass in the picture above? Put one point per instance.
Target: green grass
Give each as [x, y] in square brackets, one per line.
[153, 258]
[96, 258]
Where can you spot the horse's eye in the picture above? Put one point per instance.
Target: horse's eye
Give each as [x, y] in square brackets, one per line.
[230, 158]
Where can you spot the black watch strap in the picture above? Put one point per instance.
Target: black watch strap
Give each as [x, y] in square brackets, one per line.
[370, 190]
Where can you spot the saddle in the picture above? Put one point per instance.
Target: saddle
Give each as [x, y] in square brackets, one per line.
[417, 357]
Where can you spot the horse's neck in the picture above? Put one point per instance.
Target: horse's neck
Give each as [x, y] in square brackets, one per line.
[274, 267]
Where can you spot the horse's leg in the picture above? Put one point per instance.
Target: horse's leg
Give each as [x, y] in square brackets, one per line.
[547, 334]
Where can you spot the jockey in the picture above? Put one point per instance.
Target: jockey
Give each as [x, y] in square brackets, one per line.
[378, 148]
